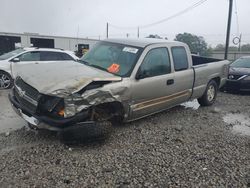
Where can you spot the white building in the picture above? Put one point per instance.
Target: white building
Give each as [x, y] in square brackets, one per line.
[10, 41]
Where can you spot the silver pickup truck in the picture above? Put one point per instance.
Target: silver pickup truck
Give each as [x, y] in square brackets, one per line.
[117, 80]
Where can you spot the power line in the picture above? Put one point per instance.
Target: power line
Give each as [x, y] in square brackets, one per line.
[165, 19]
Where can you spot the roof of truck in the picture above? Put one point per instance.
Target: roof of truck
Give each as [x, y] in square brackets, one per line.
[142, 42]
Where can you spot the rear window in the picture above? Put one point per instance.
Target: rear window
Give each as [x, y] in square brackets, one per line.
[180, 58]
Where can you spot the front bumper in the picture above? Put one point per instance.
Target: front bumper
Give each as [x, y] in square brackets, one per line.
[237, 85]
[45, 122]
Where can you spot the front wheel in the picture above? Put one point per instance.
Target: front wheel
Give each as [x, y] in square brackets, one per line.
[6, 81]
[209, 97]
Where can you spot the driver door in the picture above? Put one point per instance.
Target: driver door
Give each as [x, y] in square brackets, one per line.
[153, 86]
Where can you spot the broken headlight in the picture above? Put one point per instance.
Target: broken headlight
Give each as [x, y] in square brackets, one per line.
[52, 106]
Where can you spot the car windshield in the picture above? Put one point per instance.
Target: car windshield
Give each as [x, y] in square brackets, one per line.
[11, 54]
[241, 63]
[114, 58]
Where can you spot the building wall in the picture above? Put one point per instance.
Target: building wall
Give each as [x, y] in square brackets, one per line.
[71, 44]
[67, 43]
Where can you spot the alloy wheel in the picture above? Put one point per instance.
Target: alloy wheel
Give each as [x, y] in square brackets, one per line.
[5, 81]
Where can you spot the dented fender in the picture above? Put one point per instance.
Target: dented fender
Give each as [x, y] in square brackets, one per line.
[112, 92]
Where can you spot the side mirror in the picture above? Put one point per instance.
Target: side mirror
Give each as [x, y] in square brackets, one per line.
[15, 60]
[141, 74]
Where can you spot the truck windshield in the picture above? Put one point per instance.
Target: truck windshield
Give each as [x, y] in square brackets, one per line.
[11, 54]
[241, 63]
[115, 58]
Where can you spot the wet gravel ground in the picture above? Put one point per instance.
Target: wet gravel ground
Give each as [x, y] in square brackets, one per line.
[176, 148]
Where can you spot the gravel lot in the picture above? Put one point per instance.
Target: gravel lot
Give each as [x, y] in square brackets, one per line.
[181, 147]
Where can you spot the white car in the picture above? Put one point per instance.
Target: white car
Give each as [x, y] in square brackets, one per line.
[23, 56]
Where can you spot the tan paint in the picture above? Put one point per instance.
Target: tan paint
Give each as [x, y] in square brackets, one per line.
[160, 100]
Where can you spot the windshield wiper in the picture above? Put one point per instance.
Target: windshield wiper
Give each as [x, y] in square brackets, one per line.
[98, 67]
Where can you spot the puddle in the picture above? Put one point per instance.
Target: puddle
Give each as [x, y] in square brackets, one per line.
[191, 104]
[240, 123]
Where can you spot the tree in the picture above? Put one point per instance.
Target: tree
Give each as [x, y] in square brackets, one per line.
[154, 36]
[245, 47]
[219, 47]
[197, 44]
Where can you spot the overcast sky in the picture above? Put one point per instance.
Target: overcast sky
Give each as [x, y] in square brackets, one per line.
[88, 18]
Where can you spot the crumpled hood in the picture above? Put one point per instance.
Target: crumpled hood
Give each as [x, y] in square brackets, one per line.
[239, 71]
[62, 78]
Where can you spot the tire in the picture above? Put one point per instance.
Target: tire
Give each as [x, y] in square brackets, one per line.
[86, 133]
[6, 81]
[209, 97]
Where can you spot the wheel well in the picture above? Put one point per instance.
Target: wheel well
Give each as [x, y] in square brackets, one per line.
[116, 108]
[5, 72]
[217, 80]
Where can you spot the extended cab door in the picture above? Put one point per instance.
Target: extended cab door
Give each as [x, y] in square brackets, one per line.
[163, 80]
[153, 84]
[184, 74]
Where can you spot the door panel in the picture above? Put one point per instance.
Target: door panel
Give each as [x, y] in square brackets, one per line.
[156, 93]
[153, 83]
[25, 59]
[150, 95]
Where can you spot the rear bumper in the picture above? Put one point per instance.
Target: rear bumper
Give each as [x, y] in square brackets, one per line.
[45, 122]
[238, 85]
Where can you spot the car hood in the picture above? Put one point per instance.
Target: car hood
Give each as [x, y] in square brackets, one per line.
[239, 71]
[62, 78]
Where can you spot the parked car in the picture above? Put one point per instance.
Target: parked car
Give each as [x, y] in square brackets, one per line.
[10, 62]
[117, 80]
[239, 75]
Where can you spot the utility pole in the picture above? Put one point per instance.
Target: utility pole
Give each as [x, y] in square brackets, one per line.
[138, 32]
[228, 27]
[107, 30]
[239, 42]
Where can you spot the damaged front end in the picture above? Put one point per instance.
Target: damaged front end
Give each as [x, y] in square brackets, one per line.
[63, 110]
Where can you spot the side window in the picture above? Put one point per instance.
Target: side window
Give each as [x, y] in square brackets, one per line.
[66, 56]
[180, 58]
[51, 56]
[156, 62]
[30, 56]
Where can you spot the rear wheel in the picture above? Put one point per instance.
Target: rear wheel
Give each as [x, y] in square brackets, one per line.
[6, 81]
[209, 97]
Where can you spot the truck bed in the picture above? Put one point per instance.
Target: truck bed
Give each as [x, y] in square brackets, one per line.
[199, 60]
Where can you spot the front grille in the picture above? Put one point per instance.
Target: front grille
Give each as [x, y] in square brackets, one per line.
[26, 95]
[29, 90]
[23, 102]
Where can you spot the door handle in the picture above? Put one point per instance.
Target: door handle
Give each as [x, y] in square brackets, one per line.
[170, 82]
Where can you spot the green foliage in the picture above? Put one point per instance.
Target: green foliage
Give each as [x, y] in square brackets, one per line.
[197, 44]
[154, 36]
[245, 47]
[221, 47]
